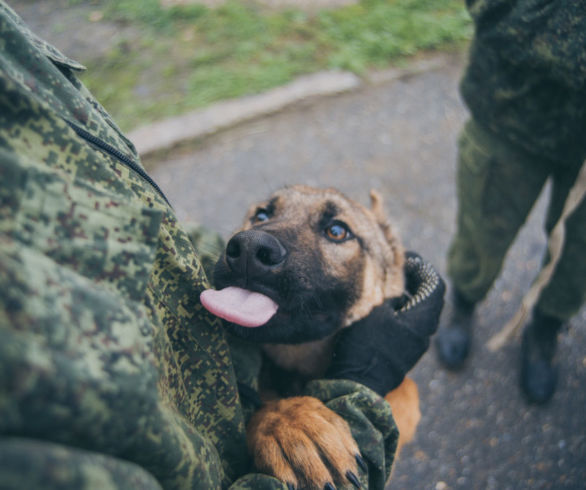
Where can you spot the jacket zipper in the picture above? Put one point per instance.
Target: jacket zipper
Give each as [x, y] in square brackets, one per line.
[125, 159]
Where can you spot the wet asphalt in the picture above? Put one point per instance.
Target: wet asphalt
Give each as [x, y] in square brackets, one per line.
[476, 432]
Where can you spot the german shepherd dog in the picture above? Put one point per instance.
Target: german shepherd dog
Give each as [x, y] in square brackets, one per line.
[306, 263]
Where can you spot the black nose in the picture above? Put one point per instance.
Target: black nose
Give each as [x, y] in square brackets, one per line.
[253, 252]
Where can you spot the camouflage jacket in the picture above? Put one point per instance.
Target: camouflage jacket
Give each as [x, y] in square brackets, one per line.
[111, 373]
[526, 79]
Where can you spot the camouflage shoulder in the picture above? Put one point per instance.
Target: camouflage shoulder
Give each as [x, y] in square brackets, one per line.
[47, 49]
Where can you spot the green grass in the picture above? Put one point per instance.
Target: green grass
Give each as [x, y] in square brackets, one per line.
[188, 57]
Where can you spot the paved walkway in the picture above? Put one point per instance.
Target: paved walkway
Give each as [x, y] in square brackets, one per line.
[400, 137]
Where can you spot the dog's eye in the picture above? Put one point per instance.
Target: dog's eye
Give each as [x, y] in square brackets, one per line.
[338, 231]
[260, 215]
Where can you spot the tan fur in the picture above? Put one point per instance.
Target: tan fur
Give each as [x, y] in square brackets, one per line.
[308, 359]
[288, 432]
[404, 401]
[284, 435]
[382, 273]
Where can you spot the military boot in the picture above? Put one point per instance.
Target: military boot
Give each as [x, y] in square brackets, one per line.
[539, 373]
[454, 338]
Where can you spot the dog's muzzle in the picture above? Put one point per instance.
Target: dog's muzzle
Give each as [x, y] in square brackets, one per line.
[254, 253]
[251, 256]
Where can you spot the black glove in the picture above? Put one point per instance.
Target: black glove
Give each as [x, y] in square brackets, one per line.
[380, 349]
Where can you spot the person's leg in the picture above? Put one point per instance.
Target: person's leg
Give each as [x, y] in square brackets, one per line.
[566, 291]
[561, 298]
[497, 186]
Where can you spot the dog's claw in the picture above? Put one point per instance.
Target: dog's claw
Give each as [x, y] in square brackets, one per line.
[353, 479]
[304, 431]
[361, 463]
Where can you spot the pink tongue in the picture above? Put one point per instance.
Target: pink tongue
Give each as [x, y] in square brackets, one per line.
[245, 308]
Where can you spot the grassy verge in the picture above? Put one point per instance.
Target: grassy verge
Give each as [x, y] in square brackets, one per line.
[186, 57]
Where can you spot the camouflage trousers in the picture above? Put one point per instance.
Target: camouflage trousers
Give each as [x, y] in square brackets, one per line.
[498, 184]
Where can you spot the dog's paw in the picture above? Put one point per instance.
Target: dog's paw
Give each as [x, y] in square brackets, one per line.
[303, 443]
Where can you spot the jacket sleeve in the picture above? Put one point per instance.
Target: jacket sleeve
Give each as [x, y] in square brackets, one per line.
[370, 419]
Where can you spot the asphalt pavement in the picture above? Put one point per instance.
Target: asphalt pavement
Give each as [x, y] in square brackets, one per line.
[400, 137]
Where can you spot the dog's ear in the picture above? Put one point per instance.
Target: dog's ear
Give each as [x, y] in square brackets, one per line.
[376, 205]
[377, 208]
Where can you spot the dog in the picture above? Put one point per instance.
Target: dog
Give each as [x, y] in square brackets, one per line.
[305, 264]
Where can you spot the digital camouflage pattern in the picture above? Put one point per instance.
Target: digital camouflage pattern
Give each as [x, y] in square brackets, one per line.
[54, 466]
[525, 86]
[112, 375]
[526, 77]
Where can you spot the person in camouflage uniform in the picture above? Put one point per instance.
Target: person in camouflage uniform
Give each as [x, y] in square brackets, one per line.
[112, 375]
[525, 86]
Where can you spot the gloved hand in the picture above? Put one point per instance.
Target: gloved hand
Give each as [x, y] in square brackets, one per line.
[378, 350]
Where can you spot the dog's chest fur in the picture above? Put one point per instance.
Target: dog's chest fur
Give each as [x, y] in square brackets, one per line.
[289, 367]
[308, 359]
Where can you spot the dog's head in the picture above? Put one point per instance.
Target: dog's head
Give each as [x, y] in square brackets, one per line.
[305, 263]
